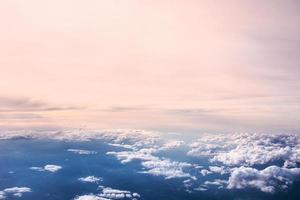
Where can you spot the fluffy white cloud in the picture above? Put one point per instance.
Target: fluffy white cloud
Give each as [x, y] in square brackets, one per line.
[138, 137]
[90, 197]
[81, 151]
[15, 191]
[205, 172]
[167, 168]
[50, 168]
[90, 179]
[172, 144]
[2, 195]
[221, 170]
[254, 149]
[248, 149]
[216, 182]
[126, 146]
[108, 193]
[153, 164]
[128, 156]
[266, 180]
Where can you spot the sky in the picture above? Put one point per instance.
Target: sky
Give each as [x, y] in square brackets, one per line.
[205, 65]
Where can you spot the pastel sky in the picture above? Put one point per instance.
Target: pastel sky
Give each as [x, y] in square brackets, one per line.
[210, 65]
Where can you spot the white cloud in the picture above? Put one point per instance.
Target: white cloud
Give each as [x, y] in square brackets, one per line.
[266, 180]
[111, 193]
[215, 169]
[205, 172]
[167, 168]
[139, 137]
[248, 149]
[90, 179]
[108, 193]
[200, 188]
[126, 146]
[252, 149]
[2, 195]
[128, 156]
[153, 164]
[216, 182]
[50, 168]
[81, 151]
[221, 170]
[90, 197]
[172, 144]
[15, 191]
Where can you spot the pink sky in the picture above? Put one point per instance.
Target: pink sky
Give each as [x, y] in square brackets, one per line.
[167, 65]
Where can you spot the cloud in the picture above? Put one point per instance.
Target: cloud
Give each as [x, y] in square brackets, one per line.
[248, 149]
[23, 104]
[118, 136]
[90, 179]
[254, 149]
[205, 172]
[172, 145]
[108, 193]
[126, 146]
[127, 108]
[221, 170]
[153, 164]
[227, 154]
[128, 156]
[216, 182]
[167, 168]
[50, 168]
[82, 152]
[111, 193]
[266, 180]
[20, 116]
[90, 197]
[15, 191]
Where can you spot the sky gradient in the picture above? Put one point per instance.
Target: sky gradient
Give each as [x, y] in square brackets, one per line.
[165, 65]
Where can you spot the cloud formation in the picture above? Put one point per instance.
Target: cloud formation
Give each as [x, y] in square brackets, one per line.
[15, 191]
[81, 151]
[49, 168]
[266, 162]
[90, 179]
[108, 193]
[266, 180]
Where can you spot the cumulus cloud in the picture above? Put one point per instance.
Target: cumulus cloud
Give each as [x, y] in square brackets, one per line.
[50, 168]
[126, 146]
[167, 168]
[81, 151]
[118, 136]
[172, 145]
[90, 179]
[205, 172]
[253, 149]
[90, 197]
[221, 170]
[111, 193]
[266, 180]
[216, 182]
[153, 164]
[248, 149]
[108, 193]
[15, 191]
